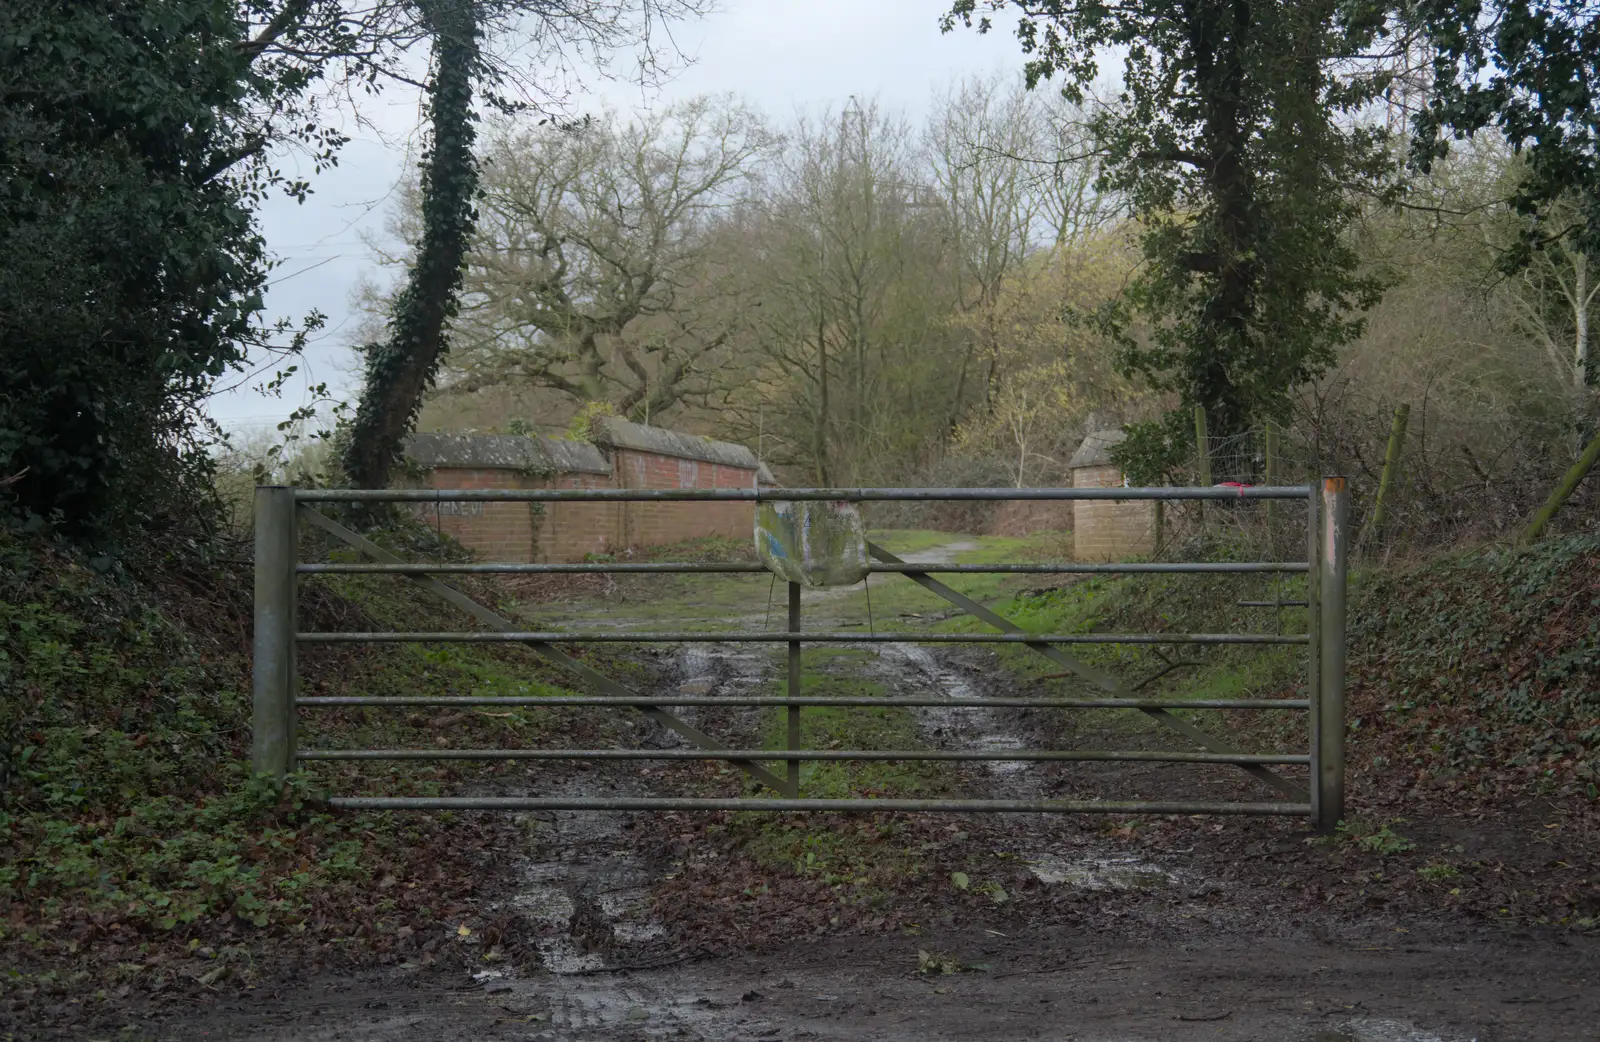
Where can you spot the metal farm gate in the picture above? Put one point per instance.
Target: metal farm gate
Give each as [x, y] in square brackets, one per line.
[281, 511]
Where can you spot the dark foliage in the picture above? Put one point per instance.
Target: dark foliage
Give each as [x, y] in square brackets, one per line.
[1487, 666]
[1231, 144]
[131, 265]
[1527, 69]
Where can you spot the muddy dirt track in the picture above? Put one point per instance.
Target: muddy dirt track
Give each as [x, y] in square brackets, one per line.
[630, 927]
[1045, 984]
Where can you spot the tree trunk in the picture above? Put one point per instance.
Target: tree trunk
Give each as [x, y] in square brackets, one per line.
[820, 431]
[954, 422]
[1218, 31]
[402, 368]
[1580, 321]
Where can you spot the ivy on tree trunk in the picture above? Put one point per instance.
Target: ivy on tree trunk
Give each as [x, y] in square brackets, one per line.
[1231, 141]
[401, 368]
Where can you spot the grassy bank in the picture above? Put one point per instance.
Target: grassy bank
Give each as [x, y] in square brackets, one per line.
[1479, 669]
[1483, 669]
[136, 847]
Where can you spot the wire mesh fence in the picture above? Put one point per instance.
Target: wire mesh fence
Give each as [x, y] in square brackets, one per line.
[1417, 485]
[1466, 468]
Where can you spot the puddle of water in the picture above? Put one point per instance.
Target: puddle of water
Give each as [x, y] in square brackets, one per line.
[708, 665]
[587, 1004]
[1109, 873]
[544, 900]
[629, 912]
[939, 554]
[695, 661]
[1001, 742]
[562, 955]
[704, 669]
[592, 850]
[972, 727]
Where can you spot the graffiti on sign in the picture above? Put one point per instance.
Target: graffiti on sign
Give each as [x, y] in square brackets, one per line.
[450, 510]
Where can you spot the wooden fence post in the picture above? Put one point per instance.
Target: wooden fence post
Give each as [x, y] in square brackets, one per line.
[1202, 463]
[1391, 465]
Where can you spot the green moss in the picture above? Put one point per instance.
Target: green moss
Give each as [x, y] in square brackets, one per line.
[854, 727]
[862, 854]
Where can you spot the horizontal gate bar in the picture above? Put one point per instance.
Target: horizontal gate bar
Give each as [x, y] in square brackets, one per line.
[545, 651]
[786, 495]
[1135, 568]
[874, 755]
[534, 569]
[686, 803]
[748, 567]
[1092, 674]
[804, 700]
[808, 636]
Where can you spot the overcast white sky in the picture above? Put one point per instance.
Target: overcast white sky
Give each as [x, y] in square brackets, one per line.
[781, 55]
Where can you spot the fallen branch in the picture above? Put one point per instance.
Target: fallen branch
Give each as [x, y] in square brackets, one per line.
[1568, 485]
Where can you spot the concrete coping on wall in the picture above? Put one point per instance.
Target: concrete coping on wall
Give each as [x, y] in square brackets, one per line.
[611, 432]
[1096, 449]
[434, 449]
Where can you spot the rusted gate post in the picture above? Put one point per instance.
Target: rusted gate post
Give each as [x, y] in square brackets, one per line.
[1331, 532]
[273, 737]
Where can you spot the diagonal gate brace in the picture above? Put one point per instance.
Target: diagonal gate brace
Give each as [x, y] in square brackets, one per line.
[499, 622]
[1099, 678]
